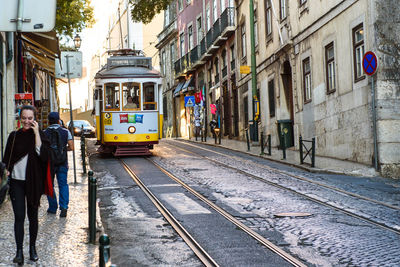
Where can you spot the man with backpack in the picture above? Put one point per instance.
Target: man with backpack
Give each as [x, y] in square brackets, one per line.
[61, 140]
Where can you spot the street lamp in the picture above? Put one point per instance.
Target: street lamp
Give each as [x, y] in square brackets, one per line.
[77, 41]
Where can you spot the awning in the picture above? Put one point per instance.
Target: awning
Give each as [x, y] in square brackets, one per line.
[189, 85]
[43, 49]
[178, 88]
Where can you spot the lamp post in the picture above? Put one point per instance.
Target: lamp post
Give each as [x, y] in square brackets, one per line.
[77, 43]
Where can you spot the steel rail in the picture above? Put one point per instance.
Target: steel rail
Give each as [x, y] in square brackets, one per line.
[204, 257]
[302, 178]
[268, 244]
[384, 226]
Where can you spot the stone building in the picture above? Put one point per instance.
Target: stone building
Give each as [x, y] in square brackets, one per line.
[311, 80]
[200, 45]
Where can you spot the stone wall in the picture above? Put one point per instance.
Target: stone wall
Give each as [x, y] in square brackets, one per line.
[386, 15]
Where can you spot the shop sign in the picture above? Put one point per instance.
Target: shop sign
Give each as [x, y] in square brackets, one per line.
[245, 69]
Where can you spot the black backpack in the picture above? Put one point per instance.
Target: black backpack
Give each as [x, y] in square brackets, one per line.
[58, 150]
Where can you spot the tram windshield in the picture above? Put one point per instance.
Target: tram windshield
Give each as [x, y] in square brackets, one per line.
[149, 96]
[112, 96]
[131, 96]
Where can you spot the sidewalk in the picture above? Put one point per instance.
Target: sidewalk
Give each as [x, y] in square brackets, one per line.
[61, 241]
[322, 164]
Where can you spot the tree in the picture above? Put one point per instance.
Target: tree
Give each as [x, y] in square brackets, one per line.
[73, 16]
[145, 10]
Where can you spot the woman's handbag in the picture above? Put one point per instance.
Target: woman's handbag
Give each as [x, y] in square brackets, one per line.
[4, 184]
[5, 179]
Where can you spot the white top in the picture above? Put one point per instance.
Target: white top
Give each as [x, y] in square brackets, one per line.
[19, 170]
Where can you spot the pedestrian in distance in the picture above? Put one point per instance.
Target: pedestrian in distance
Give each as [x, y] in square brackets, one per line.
[61, 140]
[26, 159]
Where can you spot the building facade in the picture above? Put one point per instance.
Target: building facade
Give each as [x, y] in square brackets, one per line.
[201, 52]
[310, 80]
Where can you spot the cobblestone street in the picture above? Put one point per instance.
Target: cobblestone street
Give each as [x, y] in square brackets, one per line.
[61, 241]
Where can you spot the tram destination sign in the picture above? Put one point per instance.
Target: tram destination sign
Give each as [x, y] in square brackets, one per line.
[370, 63]
[33, 15]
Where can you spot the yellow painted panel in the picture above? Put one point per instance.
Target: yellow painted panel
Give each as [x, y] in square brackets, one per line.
[130, 137]
[97, 127]
[160, 127]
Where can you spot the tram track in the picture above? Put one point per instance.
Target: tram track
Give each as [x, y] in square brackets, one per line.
[204, 257]
[379, 224]
[197, 249]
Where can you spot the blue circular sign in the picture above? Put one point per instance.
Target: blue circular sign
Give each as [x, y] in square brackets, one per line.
[369, 63]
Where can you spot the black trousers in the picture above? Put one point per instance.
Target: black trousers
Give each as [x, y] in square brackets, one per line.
[18, 200]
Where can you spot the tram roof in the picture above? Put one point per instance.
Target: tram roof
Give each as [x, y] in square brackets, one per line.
[127, 72]
[127, 63]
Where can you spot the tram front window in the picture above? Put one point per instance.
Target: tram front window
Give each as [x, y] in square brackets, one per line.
[149, 97]
[111, 96]
[131, 96]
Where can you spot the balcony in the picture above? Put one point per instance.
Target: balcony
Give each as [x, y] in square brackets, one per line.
[203, 50]
[195, 55]
[171, 29]
[216, 78]
[185, 63]
[177, 66]
[209, 37]
[228, 22]
[224, 71]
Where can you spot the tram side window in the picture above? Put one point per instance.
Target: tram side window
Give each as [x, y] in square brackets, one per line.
[112, 96]
[131, 96]
[149, 97]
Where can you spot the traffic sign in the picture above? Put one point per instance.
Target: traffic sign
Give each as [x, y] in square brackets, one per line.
[27, 15]
[75, 65]
[370, 63]
[189, 101]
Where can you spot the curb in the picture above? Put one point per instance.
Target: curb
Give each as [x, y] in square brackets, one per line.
[305, 168]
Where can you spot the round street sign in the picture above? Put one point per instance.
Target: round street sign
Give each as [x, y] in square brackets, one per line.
[369, 63]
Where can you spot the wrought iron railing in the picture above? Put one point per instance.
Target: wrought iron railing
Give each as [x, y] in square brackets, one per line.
[227, 18]
[203, 47]
[177, 66]
[209, 38]
[194, 55]
[216, 30]
[224, 71]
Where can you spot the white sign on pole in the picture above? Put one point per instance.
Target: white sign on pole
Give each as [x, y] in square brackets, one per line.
[75, 65]
[33, 15]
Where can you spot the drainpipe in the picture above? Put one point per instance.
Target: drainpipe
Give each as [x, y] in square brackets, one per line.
[253, 71]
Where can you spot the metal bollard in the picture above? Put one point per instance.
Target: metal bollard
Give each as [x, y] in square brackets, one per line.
[301, 149]
[262, 143]
[283, 146]
[313, 153]
[104, 251]
[92, 207]
[247, 139]
[83, 152]
[269, 144]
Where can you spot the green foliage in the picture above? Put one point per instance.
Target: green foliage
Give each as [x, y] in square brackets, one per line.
[145, 10]
[73, 16]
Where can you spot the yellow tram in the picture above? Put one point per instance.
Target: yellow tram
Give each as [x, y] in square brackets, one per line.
[127, 104]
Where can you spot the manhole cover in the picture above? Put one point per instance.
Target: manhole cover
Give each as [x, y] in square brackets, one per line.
[293, 214]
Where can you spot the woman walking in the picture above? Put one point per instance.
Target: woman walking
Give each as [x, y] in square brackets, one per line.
[26, 158]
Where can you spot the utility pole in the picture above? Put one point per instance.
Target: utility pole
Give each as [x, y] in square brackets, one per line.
[253, 75]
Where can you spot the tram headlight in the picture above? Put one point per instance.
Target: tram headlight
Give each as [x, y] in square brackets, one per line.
[131, 129]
